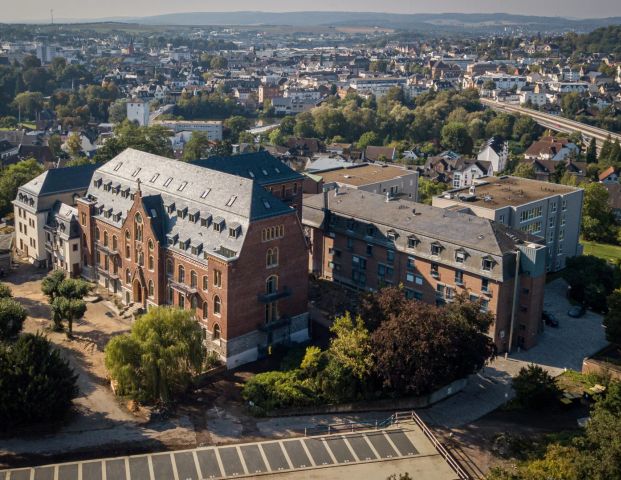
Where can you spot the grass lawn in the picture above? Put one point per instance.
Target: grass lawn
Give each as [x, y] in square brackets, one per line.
[602, 250]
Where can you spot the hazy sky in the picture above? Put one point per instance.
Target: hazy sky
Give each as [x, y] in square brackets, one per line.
[13, 10]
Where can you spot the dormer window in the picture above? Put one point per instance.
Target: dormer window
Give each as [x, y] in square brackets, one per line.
[370, 230]
[436, 248]
[234, 230]
[413, 241]
[194, 217]
[392, 235]
[170, 208]
[205, 220]
[182, 212]
[218, 224]
[460, 256]
[97, 183]
[488, 264]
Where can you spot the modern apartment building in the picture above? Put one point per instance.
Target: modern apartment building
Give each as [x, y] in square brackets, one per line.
[43, 210]
[157, 231]
[364, 241]
[547, 210]
[212, 128]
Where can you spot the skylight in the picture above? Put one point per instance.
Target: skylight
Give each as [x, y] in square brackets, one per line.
[118, 165]
[154, 177]
[167, 182]
[231, 201]
[182, 186]
[136, 172]
[205, 193]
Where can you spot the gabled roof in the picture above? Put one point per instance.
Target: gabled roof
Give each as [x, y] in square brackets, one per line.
[606, 173]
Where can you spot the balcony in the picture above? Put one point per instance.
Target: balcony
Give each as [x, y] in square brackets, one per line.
[182, 287]
[106, 249]
[102, 271]
[272, 297]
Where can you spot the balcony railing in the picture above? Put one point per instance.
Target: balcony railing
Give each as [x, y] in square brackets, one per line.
[182, 287]
[107, 249]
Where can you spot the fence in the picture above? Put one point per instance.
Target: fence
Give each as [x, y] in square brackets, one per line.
[394, 419]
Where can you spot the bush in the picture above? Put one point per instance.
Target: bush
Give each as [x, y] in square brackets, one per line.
[12, 316]
[273, 390]
[535, 388]
[36, 383]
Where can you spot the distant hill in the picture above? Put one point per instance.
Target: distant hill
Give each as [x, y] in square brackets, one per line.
[453, 21]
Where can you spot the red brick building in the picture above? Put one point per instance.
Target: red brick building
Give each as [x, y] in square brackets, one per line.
[157, 231]
[363, 241]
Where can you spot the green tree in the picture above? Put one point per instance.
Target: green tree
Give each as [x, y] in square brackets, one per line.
[591, 280]
[69, 309]
[54, 143]
[571, 104]
[236, 125]
[36, 383]
[74, 145]
[455, 137]
[276, 137]
[51, 283]
[597, 219]
[606, 150]
[14, 176]
[612, 320]
[535, 388]
[591, 153]
[368, 138]
[304, 125]
[157, 360]
[28, 104]
[350, 345]
[197, 147]
[117, 112]
[525, 170]
[427, 189]
[152, 139]
[12, 316]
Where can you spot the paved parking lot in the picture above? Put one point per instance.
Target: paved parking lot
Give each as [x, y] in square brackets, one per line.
[280, 456]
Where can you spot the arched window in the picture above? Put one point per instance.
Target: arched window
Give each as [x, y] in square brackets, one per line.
[193, 279]
[205, 309]
[105, 239]
[194, 302]
[217, 305]
[150, 245]
[271, 285]
[138, 227]
[128, 276]
[181, 276]
[151, 262]
[170, 267]
[216, 332]
[127, 251]
[115, 243]
[272, 257]
[140, 259]
[127, 235]
[84, 240]
[205, 282]
[96, 233]
[151, 289]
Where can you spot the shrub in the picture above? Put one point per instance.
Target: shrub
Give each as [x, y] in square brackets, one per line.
[273, 390]
[12, 316]
[535, 388]
[36, 383]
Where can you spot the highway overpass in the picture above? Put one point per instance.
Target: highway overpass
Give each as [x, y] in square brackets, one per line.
[556, 123]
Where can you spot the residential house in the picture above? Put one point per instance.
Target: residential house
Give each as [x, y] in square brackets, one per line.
[496, 151]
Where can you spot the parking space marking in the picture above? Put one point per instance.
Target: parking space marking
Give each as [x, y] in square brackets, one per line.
[42, 473]
[361, 447]
[297, 454]
[392, 444]
[183, 465]
[313, 462]
[210, 463]
[350, 448]
[231, 461]
[162, 466]
[402, 442]
[382, 447]
[252, 458]
[174, 466]
[68, 472]
[330, 452]
[264, 457]
[242, 460]
[277, 456]
[197, 465]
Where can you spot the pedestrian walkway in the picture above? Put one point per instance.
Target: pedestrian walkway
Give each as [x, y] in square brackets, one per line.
[405, 440]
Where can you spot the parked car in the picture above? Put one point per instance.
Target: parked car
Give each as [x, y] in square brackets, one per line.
[550, 319]
[577, 311]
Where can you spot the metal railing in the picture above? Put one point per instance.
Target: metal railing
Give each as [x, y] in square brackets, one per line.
[394, 419]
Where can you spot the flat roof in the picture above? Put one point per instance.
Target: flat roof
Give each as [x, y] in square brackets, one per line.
[364, 174]
[499, 192]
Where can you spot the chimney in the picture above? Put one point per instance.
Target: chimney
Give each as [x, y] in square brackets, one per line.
[387, 197]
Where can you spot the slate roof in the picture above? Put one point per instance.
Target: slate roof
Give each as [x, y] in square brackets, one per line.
[417, 219]
[58, 180]
[261, 166]
[173, 192]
